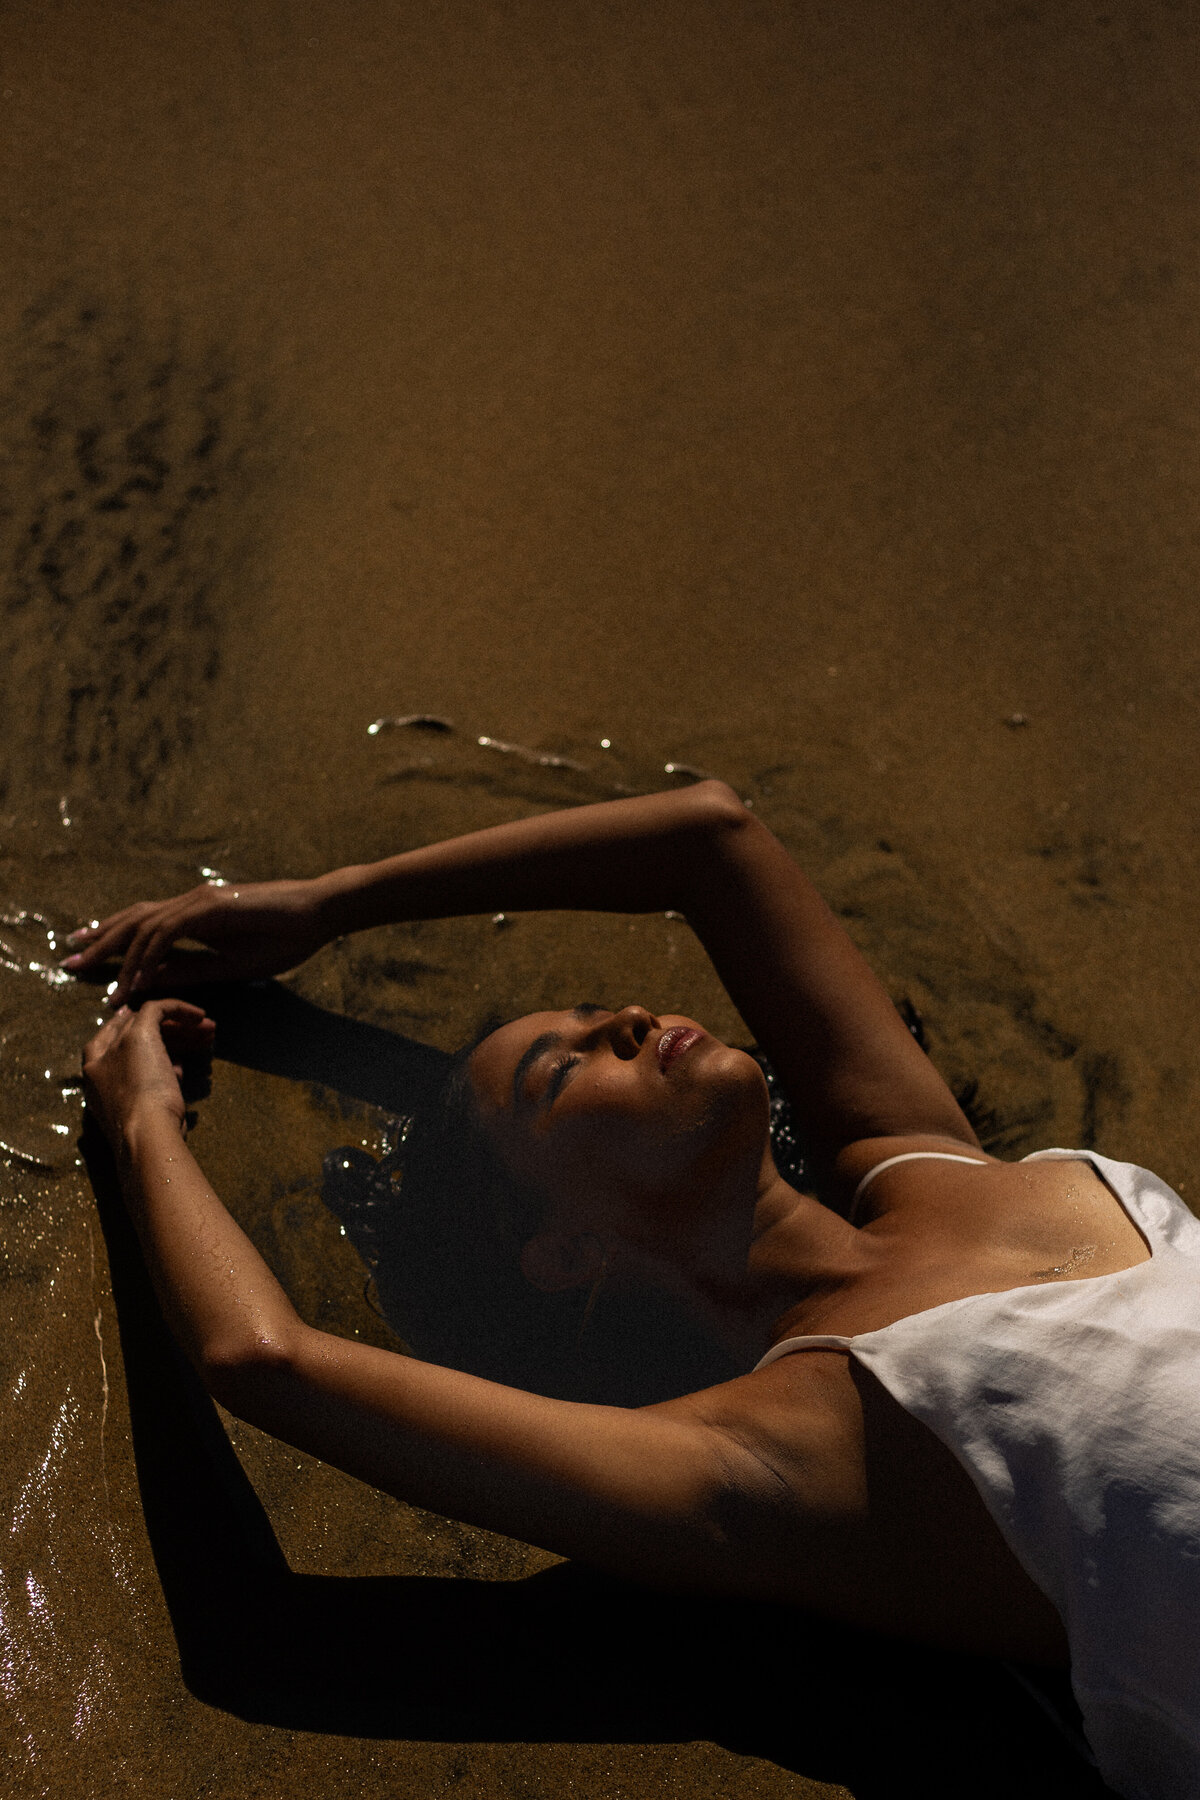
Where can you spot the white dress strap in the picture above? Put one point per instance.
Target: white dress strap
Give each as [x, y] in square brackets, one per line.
[890, 1162]
[823, 1341]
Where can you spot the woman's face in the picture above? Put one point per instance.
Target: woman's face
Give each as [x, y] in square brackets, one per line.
[620, 1112]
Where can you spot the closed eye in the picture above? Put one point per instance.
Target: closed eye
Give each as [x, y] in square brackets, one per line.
[560, 1069]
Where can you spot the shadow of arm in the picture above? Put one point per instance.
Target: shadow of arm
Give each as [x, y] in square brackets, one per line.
[263, 1025]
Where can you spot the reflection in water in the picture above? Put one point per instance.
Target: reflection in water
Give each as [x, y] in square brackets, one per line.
[38, 1485]
[40, 1096]
[45, 1663]
[544, 760]
[124, 528]
[17, 960]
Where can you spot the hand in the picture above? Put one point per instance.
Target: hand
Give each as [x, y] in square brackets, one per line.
[249, 932]
[133, 1064]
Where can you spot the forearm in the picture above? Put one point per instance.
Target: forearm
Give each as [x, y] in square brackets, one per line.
[639, 855]
[219, 1298]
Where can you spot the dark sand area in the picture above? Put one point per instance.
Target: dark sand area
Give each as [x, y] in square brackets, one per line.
[804, 394]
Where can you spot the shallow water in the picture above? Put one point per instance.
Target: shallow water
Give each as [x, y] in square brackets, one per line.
[797, 398]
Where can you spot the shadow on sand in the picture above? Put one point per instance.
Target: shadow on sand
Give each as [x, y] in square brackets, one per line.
[564, 1656]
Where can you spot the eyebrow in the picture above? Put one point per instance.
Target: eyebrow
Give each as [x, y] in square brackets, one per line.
[547, 1041]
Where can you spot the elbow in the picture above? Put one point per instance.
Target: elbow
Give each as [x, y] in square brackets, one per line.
[712, 817]
[710, 812]
[243, 1374]
[718, 805]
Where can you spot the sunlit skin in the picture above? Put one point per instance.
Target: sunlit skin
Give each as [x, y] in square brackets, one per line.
[663, 1174]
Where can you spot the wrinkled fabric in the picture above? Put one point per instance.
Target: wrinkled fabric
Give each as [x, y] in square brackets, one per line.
[1074, 1408]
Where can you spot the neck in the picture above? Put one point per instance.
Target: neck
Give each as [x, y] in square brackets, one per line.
[766, 1254]
[801, 1251]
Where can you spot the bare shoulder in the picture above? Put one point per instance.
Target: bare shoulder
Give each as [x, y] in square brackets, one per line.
[857, 1159]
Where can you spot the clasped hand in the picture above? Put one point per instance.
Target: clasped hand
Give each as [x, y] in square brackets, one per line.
[133, 1065]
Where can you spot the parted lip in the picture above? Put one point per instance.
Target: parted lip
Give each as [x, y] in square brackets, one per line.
[674, 1041]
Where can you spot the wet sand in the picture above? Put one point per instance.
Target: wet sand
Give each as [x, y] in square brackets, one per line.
[800, 396]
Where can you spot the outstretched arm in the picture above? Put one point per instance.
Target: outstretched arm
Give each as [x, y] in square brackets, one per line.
[845, 1057]
[644, 854]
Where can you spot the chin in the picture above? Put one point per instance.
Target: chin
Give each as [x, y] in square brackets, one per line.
[737, 1103]
[742, 1069]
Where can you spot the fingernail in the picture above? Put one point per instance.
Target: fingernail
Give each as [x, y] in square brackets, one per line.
[70, 962]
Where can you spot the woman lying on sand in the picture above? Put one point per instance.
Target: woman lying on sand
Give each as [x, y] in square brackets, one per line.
[967, 1414]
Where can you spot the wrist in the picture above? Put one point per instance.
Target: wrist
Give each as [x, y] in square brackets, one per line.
[334, 897]
[149, 1123]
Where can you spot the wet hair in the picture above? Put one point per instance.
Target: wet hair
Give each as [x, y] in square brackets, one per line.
[458, 1142]
[440, 1221]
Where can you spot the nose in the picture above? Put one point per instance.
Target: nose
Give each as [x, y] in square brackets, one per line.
[628, 1029]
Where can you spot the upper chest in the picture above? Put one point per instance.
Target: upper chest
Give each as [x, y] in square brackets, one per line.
[944, 1231]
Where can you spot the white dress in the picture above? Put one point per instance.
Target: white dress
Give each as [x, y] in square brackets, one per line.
[1075, 1408]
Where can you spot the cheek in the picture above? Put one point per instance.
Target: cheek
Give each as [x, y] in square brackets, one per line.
[619, 1153]
[604, 1133]
[595, 1151]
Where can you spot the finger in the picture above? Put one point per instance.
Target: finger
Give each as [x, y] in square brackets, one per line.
[192, 1036]
[158, 968]
[149, 948]
[184, 1041]
[144, 956]
[130, 964]
[110, 939]
[113, 936]
[83, 934]
[165, 1014]
[153, 936]
[183, 1029]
